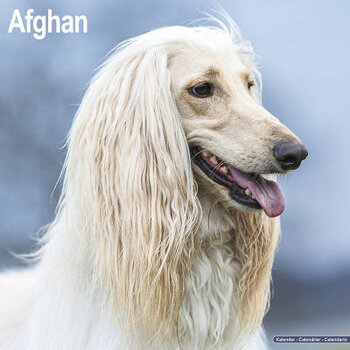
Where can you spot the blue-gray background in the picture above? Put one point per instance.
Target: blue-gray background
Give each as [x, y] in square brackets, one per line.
[305, 50]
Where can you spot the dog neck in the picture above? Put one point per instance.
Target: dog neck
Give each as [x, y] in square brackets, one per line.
[220, 306]
[209, 313]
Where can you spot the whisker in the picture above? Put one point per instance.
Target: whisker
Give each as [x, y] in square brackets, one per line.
[215, 169]
[195, 155]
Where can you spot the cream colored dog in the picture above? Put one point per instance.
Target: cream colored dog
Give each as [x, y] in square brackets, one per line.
[168, 221]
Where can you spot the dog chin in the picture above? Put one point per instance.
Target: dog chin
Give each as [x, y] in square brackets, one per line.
[231, 204]
[244, 208]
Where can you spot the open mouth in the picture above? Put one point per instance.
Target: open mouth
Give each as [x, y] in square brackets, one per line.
[250, 190]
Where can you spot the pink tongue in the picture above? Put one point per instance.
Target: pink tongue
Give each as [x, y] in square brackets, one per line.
[265, 192]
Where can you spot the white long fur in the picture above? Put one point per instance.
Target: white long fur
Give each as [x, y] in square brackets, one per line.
[131, 229]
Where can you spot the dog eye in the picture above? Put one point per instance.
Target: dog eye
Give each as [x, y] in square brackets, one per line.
[202, 90]
[251, 84]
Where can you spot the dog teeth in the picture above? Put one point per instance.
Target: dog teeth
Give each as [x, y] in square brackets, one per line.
[214, 160]
[248, 192]
[206, 153]
[224, 169]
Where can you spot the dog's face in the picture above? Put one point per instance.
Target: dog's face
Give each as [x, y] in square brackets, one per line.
[233, 140]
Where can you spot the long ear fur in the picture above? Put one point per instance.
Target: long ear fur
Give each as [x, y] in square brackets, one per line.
[129, 173]
[255, 241]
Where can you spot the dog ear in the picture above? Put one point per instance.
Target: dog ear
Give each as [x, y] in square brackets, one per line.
[255, 240]
[130, 164]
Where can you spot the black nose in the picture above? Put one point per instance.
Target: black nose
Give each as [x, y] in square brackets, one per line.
[289, 155]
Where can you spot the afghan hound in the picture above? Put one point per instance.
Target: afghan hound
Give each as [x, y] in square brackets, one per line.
[166, 228]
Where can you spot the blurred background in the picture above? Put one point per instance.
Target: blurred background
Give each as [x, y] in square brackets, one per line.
[305, 51]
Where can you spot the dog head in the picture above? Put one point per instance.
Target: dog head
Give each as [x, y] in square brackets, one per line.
[234, 141]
